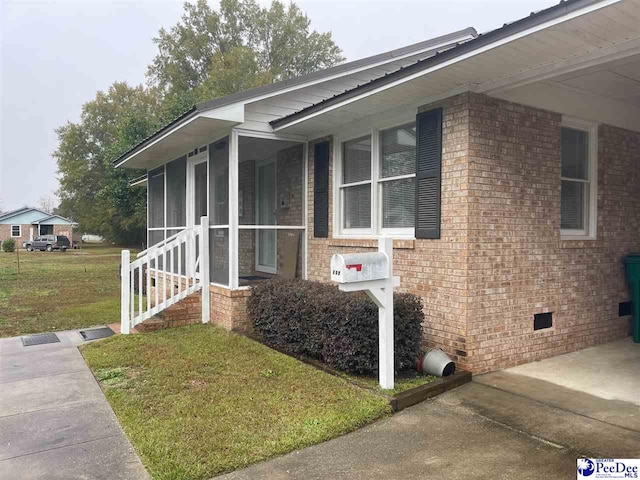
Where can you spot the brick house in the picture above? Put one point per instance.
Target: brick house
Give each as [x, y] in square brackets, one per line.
[26, 223]
[504, 165]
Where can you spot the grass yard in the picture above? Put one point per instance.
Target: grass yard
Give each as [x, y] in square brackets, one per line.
[59, 291]
[401, 384]
[198, 401]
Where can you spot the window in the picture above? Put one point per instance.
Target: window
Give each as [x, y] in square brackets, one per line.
[16, 231]
[397, 177]
[578, 179]
[356, 184]
[376, 183]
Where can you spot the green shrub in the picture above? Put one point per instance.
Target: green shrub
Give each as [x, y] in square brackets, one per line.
[340, 329]
[9, 245]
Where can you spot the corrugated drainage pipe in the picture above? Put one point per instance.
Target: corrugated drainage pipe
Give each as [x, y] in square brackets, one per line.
[436, 362]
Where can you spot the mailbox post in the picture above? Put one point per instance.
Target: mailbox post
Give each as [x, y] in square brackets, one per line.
[373, 273]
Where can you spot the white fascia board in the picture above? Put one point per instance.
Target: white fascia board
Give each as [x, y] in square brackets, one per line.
[473, 53]
[233, 113]
[139, 182]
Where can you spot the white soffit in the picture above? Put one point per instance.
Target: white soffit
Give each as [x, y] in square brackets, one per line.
[599, 33]
[607, 93]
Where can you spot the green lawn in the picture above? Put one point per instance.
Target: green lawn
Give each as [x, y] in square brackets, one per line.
[199, 401]
[402, 383]
[58, 291]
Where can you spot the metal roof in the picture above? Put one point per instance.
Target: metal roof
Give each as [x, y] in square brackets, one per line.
[274, 88]
[535, 18]
[15, 212]
[25, 209]
[49, 216]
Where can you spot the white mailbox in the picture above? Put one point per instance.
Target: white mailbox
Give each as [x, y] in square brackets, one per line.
[359, 267]
[372, 273]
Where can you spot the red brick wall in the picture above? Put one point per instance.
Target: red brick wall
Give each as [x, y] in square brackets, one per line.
[500, 259]
[5, 233]
[436, 270]
[518, 265]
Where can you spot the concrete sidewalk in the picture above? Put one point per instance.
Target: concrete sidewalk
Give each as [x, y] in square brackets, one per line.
[430, 440]
[54, 420]
[527, 422]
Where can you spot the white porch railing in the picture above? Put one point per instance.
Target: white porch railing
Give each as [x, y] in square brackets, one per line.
[179, 266]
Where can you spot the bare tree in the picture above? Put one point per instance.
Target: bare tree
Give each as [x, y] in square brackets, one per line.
[47, 203]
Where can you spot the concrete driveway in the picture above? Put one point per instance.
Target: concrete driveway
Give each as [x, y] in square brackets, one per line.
[54, 420]
[520, 423]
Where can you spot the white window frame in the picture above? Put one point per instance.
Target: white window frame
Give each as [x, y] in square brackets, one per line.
[376, 182]
[19, 231]
[591, 204]
[355, 232]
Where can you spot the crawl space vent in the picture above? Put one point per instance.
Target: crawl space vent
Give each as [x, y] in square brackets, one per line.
[542, 320]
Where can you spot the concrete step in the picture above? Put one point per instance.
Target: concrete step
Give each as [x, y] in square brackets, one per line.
[585, 436]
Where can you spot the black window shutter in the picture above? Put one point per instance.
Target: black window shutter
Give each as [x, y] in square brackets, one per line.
[321, 190]
[428, 173]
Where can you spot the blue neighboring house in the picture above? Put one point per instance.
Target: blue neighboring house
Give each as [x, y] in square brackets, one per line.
[26, 223]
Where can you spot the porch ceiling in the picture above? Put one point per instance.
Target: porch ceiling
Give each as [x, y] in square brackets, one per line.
[598, 34]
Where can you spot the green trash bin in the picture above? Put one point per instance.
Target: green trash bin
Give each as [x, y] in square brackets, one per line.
[632, 266]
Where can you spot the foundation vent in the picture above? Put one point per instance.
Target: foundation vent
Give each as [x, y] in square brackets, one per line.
[542, 320]
[624, 309]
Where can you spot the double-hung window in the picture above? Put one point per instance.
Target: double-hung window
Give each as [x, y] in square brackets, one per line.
[397, 172]
[356, 185]
[578, 180]
[376, 183]
[16, 230]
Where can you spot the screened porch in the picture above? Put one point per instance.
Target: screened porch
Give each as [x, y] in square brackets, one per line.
[252, 190]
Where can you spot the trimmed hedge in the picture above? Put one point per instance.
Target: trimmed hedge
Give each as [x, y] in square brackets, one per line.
[340, 329]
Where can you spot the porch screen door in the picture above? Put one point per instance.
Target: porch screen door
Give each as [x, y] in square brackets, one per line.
[266, 209]
[199, 191]
[197, 204]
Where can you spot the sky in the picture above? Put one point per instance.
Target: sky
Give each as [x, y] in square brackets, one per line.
[55, 55]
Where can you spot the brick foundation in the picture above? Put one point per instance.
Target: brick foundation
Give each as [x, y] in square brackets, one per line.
[229, 308]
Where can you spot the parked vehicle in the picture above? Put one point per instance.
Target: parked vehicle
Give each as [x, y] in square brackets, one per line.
[89, 238]
[48, 243]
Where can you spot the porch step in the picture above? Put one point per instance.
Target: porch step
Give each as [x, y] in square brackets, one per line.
[550, 420]
[152, 324]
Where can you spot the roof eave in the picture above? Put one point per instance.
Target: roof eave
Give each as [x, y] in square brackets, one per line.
[564, 8]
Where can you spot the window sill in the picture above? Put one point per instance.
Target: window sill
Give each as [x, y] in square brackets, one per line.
[401, 244]
[570, 242]
[568, 238]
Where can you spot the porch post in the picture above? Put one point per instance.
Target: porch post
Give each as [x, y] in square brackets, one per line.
[205, 296]
[233, 210]
[125, 278]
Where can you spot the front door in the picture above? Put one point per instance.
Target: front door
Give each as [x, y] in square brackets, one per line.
[266, 245]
